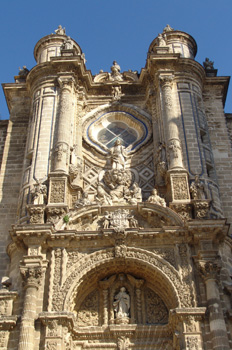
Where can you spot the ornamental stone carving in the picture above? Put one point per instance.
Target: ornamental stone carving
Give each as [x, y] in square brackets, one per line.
[57, 191]
[4, 335]
[51, 345]
[52, 328]
[119, 220]
[201, 208]
[115, 72]
[36, 213]
[156, 311]
[174, 148]
[209, 269]
[192, 343]
[156, 199]
[75, 172]
[121, 306]
[83, 201]
[161, 164]
[167, 29]
[123, 343]
[88, 314]
[184, 210]
[61, 148]
[180, 187]
[197, 189]
[54, 214]
[118, 155]
[67, 44]
[60, 30]
[117, 93]
[31, 275]
[115, 187]
[162, 40]
[39, 193]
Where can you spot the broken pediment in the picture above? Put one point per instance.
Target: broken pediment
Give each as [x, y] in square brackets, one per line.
[119, 218]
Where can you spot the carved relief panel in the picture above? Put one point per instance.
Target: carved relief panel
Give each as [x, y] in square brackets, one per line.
[121, 299]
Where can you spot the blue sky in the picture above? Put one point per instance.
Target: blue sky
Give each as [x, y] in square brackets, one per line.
[108, 30]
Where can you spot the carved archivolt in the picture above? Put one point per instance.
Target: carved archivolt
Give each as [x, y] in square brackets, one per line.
[101, 263]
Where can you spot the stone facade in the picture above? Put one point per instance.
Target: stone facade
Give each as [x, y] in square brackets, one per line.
[116, 196]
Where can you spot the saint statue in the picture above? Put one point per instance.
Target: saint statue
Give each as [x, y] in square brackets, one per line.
[115, 72]
[118, 155]
[39, 193]
[60, 30]
[162, 40]
[156, 199]
[197, 189]
[67, 44]
[136, 194]
[122, 303]
[208, 64]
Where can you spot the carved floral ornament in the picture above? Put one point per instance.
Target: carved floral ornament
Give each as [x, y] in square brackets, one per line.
[64, 296]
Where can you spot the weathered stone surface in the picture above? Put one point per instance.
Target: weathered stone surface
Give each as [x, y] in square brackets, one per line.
[110, 191]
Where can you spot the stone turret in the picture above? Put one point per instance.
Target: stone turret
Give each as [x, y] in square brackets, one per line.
[176, 41]
[52, 46]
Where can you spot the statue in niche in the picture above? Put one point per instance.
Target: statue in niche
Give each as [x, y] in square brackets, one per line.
[121, 304]
[156, 199]
[136, 194]
[208, 64]
[115, 72]
[197, 189]
[39, 193]
[162, 40]
[83, 201]
[60, 30]
[118, 156]
[67, 44]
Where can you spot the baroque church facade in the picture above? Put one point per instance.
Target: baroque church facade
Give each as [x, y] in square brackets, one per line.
[116, 202]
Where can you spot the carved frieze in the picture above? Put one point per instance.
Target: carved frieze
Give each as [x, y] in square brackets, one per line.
[57, 191]
[180, 189]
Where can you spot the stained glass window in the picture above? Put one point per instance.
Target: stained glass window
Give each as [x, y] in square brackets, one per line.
[117, 130]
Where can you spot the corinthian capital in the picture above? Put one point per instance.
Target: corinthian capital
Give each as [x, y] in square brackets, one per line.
[209, 269]
[166, 80]
[66, 82]
[32, 276]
